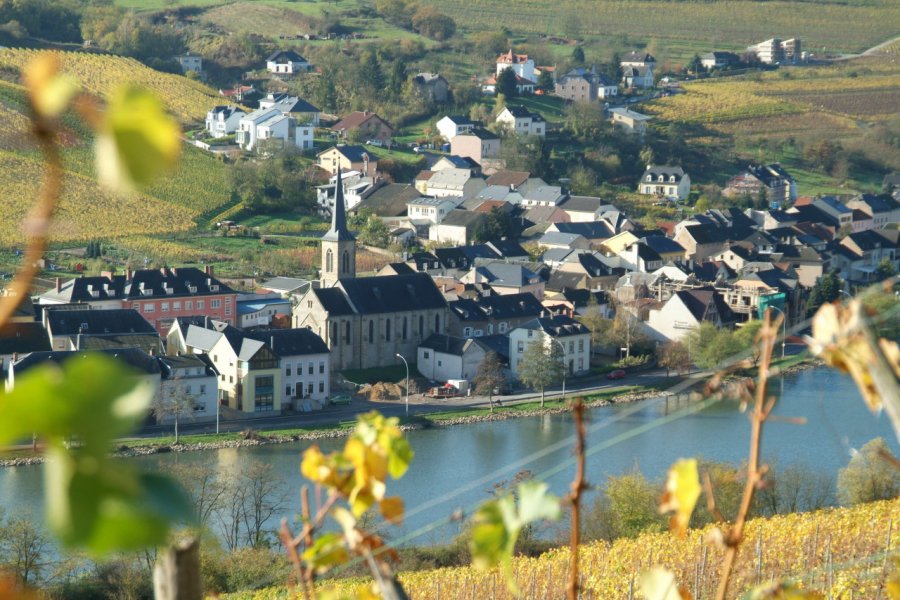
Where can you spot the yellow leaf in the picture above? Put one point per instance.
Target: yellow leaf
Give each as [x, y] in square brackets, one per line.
[681, 495]
[392, 509]
[50, 90]
[658, 583]
[137, 140]
[315, 465]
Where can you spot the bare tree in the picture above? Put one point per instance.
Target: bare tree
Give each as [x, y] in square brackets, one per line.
[263, 498]
[490, 375]
[174, 401]
[675, 356]
[23, 549]
[206, 487]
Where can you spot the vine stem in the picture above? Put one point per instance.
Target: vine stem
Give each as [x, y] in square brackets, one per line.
[578, 485]
[762, 406]
[37, 224]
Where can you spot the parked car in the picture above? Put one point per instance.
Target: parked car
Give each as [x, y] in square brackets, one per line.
[377, 143]
[617, 374]
[418, 149]
[341, 399]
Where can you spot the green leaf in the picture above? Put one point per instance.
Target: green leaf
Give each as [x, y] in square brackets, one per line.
[137, 141]
[536, 504]
[327, 551]
[658, 583]
[401, 454]
[491, 535]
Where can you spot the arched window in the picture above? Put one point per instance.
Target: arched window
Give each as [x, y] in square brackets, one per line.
[387, 329]
[421, 326]
[329, 261]
[437, 323]
[404, 328]
[345, 261]
[347, 332]
[334, 334]
[371, 331]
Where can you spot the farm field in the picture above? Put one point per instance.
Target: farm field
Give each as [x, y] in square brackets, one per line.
[799, 547]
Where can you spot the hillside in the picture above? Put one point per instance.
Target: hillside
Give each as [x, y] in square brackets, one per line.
[796, 546]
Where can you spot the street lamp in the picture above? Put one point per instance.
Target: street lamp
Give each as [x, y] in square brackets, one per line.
[783, 329]
[565, 367]
[407, 381]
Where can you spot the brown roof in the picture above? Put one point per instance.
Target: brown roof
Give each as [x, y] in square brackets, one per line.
[804, 200]
[508, 178]
[487, 205]
[424, 175]
[355, 119]
[509, 57]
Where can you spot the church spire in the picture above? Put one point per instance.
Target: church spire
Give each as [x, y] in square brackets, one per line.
[338, 231]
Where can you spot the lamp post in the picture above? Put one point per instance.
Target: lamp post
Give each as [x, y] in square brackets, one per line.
[783, 328]
[565, 366]
[400, 356]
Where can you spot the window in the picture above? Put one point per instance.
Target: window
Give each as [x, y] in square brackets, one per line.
[440, 363]
[164, 307]
[149, 307]
[215, 303]
[203, 388]
[287, 370]
[421, 325]
[231, 379]
[322, 366]
[228, 311]
[437, 323]
[334, 334]
[189, 305]
[520, 346]
[387, 329]
[329, 261]
[200, 305]
[571, 346]
[264, 396]
[581, 364]
[311, 368]
[427, 354]
[227, 301]
[176, 306]
[321, 387]
[347, 332]
[135, 306]
[502, 327]
[345, 262]
[467, 332]
[530, 333]
[371, 331]
[404, 328]
[309, 389]
[581, 345]
[287, 390]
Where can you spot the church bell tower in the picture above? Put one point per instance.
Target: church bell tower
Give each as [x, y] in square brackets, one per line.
[338, 244]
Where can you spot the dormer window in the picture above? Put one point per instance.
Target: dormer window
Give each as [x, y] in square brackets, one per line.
[649, 177]
[661, 178]
[672, 178]
[192, 289]
[214, 288]
[146, 292]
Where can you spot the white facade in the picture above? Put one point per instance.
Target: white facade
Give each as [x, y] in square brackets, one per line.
[444, 366]
[673, 321]
[666, 182]
[269, 124]
[576, 348]
[449, 129]
[522, 124]
[190, 62]
[223, 120]
[306, 378]
[521, 64]
[194, 382]
[429, 209]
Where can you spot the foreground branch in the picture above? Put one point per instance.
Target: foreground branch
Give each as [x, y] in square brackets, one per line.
[578, 486]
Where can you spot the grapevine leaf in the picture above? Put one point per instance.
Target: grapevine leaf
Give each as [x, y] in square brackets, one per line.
[400, 456]
[779, 591]
[492, 537]
[392, 509]
[658, 583]
[137, 140]
[536, 504]
[327, 551]
[681, 495]
[50, 90]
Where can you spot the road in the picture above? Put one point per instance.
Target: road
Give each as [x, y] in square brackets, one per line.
[869, 52]
[418, 405]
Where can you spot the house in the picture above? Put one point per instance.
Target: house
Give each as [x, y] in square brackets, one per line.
[285, 286]
[521, 121]
[244, 94]
[668, 249]
[444, 358]
[262, 310]
[544, 216]
[585, 85]
[579, 302]
[585, 209]
[839, 213]
[668, 182]
[508, 179]
[882, 209]
[478, 144]
[354, 187]
[457, 183]
[618, 243]
[189, 376]
[160, 295]
[293, 106]
[492, 314]
[452, 125]
[687, 309]
[267, 124]
[305, 366]
[536, 192]
[524, 87]
[718, 60]
[432, 87]
[858, 255]
[450, 161]
[66, 327]
[630, 120]
[348, 158]
[364, 125]
[637, 70]
[507, 278]
[190, 63]
[640, 257]
[387, 200]
[249, 373]
[780, 187]
[222, 121]
[567, 241]
[573, 341]
[521, 64]
[431, 210]
[594, 231]
[702, 241]
[18, 339]
[458, 227]
[287, 62]
[776, 51]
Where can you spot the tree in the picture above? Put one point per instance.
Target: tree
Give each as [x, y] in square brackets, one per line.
[506, 83]
[674, 355]
[868, 477]
[794, 489]
[23, 549]
[397, 77]
[173, 401]
[745, 337]
[541, 366]
[490, 376]
[626, 507]
[578, 55]
[710, 345]
[432, 23]
[826, 289]
[696, 65]
[545, 81]
[497, 225]
[371, 74]
[885, 269]
[375, 233]
[593, 319]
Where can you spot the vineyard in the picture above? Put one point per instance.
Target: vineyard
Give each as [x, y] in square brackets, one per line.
[100, 74]
[85, 212]
[840, 552]
[834, 27]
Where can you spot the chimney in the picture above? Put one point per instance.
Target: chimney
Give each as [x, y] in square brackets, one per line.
[128, 274]
[564, 186]
[272, 343]
[152, 352]
[207, 269]
[58, 284]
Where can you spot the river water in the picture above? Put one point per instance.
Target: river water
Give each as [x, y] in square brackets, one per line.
[455, 467]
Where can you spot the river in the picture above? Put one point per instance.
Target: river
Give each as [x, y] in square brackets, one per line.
[455, 467]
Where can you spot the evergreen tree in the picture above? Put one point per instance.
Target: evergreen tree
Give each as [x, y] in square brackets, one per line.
[397, 77]
[578, 55]
[371, 73]
[826, 289]
[506, 83]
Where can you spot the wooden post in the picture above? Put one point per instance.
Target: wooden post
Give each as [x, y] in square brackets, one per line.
[176, 575]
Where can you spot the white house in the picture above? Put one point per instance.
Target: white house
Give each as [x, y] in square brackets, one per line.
[637, 70]
[287, 62]
[454, 182]
[272, 124]
[685, 310]
[521, 121]
[668, 182]
[452, 125]
[190, 62]
[572, 339]
[222, 121]
[521, 64]
[259, 310]
[189, 377]
[432, 210]
[443, 357]
[631, 121]
[305, 366]
[294, 106]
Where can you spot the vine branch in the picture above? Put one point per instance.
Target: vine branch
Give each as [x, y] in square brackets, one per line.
[578, 486]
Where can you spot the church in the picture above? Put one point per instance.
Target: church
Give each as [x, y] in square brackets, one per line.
[367, 321]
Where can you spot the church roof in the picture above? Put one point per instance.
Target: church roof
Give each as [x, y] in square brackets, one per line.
[392, 293]
[338, 231]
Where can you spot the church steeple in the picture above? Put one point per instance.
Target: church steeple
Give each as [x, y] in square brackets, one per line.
[338, 244]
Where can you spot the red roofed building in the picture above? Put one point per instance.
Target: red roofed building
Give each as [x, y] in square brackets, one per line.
[369, 125]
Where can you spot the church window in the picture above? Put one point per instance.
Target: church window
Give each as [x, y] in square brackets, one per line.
[346, 262]
[437, 323]
[421, 326]
[404, 328]
[387, 330]
[347, 332]
[329, 261]
[371, 331]
[334, 334]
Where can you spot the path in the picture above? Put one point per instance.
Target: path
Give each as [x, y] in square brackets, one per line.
[873, 50]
